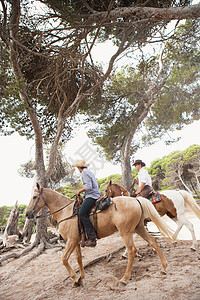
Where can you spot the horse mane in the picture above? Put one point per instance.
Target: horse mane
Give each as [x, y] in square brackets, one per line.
[120, 187]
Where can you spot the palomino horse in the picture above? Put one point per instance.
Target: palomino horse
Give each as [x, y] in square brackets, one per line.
[172, 204]
[123, 215]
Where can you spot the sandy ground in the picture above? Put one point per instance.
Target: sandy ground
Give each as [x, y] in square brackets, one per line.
[46, 278]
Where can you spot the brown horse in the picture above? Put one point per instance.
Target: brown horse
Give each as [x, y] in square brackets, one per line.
[172, 204]
[123, 215]
[115, 189]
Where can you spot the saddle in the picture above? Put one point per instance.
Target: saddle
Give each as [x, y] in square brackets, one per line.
[154, 197]
[101, 204]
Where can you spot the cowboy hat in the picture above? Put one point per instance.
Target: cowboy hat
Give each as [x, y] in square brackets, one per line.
[139, 162]
[80, 164]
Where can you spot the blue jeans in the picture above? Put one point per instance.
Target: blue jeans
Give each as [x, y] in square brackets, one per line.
[87, 204]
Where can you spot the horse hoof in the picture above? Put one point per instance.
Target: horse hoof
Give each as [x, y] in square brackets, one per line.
[122, 282]
[163, 272]
[193, 248]
[78, 283]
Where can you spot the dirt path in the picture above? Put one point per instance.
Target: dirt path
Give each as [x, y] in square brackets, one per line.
[45, 276]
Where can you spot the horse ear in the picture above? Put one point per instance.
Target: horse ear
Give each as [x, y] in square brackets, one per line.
[38, 186]
[110, 182]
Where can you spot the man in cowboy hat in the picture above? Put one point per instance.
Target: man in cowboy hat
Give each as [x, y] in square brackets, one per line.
[144, 180]
[91, 194]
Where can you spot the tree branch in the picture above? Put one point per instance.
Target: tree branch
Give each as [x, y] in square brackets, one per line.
[147, 14]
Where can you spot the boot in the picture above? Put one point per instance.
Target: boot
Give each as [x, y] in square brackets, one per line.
[90, 243]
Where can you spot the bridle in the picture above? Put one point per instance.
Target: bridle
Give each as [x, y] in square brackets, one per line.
[49, 213]
[37, 199]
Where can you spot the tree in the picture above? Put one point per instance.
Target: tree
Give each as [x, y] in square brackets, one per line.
[159, 100]
[50, 79]
[52, 70]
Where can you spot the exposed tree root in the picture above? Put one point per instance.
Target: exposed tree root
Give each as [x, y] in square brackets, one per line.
[41, 247]
[17, 255]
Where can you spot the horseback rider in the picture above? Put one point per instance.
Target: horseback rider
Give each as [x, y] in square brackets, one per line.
[144, 180]
[91, 194]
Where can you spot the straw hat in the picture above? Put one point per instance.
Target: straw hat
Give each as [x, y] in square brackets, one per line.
[80, 163]
[139, 162]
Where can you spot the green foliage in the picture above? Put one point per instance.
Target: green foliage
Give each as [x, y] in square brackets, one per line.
[116, 115]
[22, 212]
[116, 178]
[165, 170]
[160, 170]
[70, 190]
[5, 213]
[134, 173]
[178, 101]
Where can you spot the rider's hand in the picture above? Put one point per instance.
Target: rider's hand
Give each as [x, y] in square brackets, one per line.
[77, 193]
[134, 195]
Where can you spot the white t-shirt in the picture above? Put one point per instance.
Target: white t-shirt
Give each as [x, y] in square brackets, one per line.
[143, 176]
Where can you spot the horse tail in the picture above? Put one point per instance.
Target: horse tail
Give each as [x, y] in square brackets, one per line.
[191, 202]
[151, 213]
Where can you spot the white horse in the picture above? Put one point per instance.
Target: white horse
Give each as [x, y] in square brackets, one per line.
[179, 199]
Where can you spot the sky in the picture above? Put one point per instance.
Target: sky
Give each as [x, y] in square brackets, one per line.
[16, 150]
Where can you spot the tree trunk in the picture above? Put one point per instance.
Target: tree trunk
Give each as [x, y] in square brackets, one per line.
[125, 163]
[27, 230]
[41, 226]
[180, 178]
[11, 226]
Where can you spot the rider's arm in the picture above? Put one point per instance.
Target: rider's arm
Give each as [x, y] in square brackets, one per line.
[87, 183]
[140, 188]
[80, 191]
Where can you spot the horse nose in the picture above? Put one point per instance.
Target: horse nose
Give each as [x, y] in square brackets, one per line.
[29, 214]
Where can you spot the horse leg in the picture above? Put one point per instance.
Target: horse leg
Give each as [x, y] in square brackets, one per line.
[131, 249]
[180, 225]
[182, 220]
[70, 246]
[79, 260]
[140, 229]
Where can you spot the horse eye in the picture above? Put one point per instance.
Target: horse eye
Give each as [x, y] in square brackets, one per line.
[34, 197]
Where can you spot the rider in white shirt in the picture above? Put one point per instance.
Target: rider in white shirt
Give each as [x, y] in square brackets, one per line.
[144, 180]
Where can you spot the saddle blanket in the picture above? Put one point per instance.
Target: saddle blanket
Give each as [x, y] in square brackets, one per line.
[155, 198]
